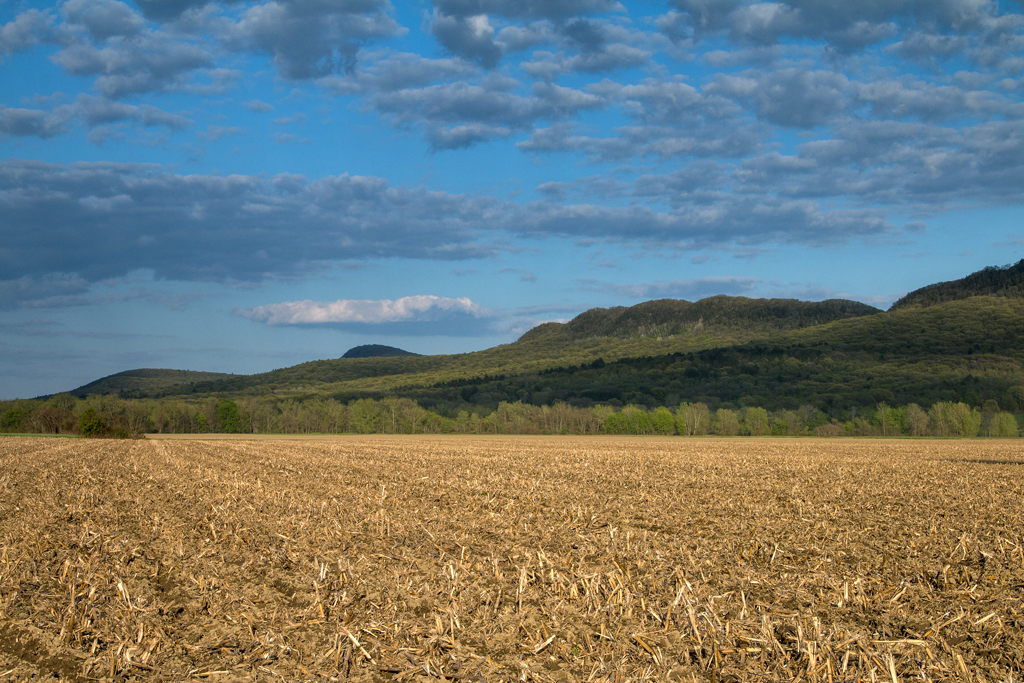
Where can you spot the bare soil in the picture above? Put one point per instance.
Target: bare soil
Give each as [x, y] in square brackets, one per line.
[506, 558]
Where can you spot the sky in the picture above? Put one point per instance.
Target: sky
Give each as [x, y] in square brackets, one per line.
[245, 185]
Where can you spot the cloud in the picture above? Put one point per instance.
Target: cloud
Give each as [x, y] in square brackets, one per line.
[420, 308]
[103, 18]
[693, 289]
[420, 315]
[459, 114]
[26, 30]
[97, 110]
[214, 133]
[31, 122]
[101, 220]
[558, 10]
[847, 26]
[306, 38]
[794, 98]
[389, 72]
[150, 61]
[258, 106]
[471, 38]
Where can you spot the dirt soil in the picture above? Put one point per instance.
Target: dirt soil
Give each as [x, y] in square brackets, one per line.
[490, 559]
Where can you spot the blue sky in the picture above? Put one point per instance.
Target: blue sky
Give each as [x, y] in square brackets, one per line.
[240, 186]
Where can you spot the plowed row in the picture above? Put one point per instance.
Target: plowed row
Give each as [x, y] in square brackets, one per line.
[547, 559]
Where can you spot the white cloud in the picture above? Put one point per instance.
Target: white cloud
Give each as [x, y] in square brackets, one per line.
[420, 308]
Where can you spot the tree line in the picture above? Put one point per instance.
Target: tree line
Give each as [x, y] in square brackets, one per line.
[111, 416]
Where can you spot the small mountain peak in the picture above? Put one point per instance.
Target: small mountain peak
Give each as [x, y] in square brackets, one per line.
[376, 351]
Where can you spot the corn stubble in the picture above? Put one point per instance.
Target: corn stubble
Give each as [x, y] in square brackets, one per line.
[548, 559]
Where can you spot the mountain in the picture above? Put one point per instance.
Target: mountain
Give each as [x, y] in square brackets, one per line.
[968, 350]
[724, 351]
[1005, 281]
[668, 317]
[377, 351]
[145, 381]
[652, 328]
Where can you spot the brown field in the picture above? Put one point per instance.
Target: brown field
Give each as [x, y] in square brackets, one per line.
[511, 558]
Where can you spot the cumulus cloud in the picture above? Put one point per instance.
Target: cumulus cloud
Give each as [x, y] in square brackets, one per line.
[309, 38]
[129, 65]
[31, 122]
[96, 111]
[459, 114]
[26, 30]
[795, 98]
[420, 315]
[559, 10]
[846, 25]
[420, 308]
[471, 38]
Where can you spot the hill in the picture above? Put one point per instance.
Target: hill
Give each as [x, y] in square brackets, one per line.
[1005, 281]
[969, 350]
[653, 328]
[668, 317]
[377, 351]
[145, 381]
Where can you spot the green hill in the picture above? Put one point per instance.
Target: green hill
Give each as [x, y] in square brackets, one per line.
[729, 351]
[969, 350]
[376, 351]
[1005, 281]
[652, 328]
[667, 317]
[145, 381]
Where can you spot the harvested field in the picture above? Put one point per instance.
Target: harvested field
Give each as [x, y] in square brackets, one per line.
[511, 558]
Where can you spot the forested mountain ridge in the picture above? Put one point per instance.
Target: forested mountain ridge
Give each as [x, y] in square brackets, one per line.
[651, 328]
[668, 317]
[145, 380]
[1004, 281]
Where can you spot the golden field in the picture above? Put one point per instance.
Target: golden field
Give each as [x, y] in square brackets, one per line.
[511, 558]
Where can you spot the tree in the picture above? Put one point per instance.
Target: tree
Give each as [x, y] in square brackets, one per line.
[1004, 424]
[756, 421]
[917, 420]
[662, 421]
[728, 422]
[90, 424]
[693, 418]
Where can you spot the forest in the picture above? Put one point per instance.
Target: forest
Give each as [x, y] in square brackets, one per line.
[112, 417]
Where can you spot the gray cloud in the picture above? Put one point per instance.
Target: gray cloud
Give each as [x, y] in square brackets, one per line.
[459, 114]
[310, 38]
[643, 141]
[26, 30]
[258, 106]
[129, 65]
[558, 10]
[103, 18]
[103, 220]
[794, 98]
[98, 221]
[96, 111]
[389, 72]
[31, 122]
[845, 25]
[471, 38]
